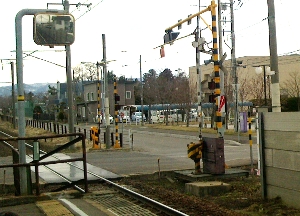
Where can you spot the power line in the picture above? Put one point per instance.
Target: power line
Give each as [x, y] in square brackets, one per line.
[89, 9]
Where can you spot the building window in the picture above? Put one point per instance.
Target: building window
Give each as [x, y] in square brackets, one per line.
[128, 95]
[92, 96]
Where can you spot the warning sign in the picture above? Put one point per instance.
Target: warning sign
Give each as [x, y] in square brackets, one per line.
[221, 104]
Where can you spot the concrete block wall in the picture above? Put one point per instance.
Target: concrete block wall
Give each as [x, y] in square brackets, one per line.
[282, 156]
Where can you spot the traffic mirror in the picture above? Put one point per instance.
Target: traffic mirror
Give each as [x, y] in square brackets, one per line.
[52, 29]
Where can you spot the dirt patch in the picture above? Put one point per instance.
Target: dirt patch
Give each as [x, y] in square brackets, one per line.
[46, 145]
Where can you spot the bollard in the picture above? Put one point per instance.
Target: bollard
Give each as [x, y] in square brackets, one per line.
[121, 139]
[132, 141]
[129, 137]
[15, 156]
[112, 138]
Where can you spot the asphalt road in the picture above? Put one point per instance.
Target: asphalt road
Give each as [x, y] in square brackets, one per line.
[155, 150]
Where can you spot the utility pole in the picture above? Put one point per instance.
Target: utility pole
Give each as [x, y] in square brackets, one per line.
[220, 45]
[69, 81]
[106, 105]
[197, 32]
[224, 115]
[98, 102]
[13, 92]
[276, 106]
[234, 74]
[142, 91]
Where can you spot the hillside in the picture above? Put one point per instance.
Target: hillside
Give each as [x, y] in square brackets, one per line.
[34, 88]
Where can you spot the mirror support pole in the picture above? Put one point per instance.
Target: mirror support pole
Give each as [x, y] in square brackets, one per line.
[21, 97]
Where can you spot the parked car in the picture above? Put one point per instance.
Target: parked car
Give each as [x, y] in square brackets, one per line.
[111, 119]
[124, 119]
[137, 116]
[154, 117]
[172, 116]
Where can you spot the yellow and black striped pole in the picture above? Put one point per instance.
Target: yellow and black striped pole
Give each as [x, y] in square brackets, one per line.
[117, 144]
[250, 140]
[98, 106]
[215, 58]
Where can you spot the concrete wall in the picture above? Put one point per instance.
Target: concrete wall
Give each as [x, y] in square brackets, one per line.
[281, 145]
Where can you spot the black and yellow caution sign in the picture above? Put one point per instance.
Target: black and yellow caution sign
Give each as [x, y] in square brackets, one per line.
[195, 153]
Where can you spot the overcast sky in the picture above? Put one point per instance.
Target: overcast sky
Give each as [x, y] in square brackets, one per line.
[137, 27]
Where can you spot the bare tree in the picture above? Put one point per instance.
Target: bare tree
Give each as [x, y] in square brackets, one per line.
[166, 89]
[77, 74]
[150, 90]
[88, 73]
[256, 89]
[184, 95]
[243, 91]
[292, 86]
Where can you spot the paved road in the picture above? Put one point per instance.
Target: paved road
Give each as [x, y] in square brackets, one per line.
[240, 137]
[170, 147]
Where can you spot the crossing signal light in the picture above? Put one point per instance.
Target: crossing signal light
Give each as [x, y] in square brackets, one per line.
[117, 97]
[117, 107]
[170, 36]
[211, 98]
[211, 85]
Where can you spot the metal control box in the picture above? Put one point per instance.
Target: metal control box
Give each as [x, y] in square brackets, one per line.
[213, 156]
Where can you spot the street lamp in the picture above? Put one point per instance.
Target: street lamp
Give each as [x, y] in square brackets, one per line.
[266, 72]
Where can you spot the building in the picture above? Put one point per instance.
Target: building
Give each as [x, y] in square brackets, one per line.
[87, 110]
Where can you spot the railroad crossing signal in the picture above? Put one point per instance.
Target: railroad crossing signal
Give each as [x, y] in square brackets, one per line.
[170, 36]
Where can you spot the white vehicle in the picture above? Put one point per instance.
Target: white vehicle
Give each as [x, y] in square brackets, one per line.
[154, 117]
[163, 115]
[124, 118]
[137, 116]
[111, 119]
[172, 116]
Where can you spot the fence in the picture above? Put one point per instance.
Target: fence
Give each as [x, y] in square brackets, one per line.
[126, 138]
[279, 156]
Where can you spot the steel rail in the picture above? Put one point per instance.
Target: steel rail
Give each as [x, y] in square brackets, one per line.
[139, 197]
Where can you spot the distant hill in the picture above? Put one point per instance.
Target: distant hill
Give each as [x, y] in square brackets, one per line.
[34, 88]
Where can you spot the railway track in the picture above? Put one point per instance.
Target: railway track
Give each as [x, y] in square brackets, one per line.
[118, 197]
